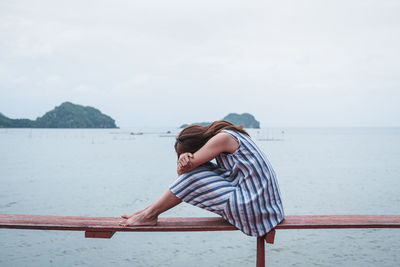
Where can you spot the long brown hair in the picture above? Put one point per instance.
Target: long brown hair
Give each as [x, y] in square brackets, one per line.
[193, 137]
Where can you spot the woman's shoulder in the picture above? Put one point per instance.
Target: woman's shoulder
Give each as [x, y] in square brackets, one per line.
[230, 133]
[235, 133]
[228, 140]
[244, 140]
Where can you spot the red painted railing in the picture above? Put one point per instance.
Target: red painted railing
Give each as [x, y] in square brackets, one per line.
[105, 227]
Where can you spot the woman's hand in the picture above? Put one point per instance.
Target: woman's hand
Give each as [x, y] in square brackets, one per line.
[184, 162]
[219, 143]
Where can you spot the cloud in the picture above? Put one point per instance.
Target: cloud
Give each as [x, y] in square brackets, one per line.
[288, 62]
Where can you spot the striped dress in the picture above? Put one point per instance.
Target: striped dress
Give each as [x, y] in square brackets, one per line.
[242, 188]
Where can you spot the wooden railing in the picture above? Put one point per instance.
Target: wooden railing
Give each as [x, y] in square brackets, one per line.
[105, 227]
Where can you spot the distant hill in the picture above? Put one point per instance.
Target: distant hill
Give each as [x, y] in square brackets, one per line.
[246, 120]
[67, 115]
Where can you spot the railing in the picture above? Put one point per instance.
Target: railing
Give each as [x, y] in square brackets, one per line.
[105, 227]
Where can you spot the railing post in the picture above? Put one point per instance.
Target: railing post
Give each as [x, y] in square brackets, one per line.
[98, 234]
[261, 251]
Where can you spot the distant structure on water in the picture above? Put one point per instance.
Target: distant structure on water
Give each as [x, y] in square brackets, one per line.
[270, 135]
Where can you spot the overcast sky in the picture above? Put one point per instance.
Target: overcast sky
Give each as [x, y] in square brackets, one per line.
[164, 63]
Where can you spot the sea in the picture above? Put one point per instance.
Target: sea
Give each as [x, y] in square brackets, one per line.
[108, 172]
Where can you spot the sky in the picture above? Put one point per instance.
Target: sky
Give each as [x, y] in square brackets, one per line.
[164, 63]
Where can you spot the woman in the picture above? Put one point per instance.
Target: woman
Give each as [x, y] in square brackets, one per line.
[242, 187]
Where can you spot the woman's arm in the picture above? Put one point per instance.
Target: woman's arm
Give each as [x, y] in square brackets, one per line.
[221, 142]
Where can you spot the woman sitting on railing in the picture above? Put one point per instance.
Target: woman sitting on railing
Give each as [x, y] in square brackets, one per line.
[242, 187]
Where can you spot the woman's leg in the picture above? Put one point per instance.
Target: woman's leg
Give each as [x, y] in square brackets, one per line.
[149, 215]
[205, 188]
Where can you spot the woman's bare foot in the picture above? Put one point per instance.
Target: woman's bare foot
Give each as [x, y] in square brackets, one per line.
[142, 217]
[127, 216]
[149, 215]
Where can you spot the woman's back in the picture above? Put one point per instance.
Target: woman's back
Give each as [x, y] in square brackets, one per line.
[243, 189]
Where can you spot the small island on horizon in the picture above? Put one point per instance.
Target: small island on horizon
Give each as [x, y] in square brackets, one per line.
[66, 115]
[246, 120]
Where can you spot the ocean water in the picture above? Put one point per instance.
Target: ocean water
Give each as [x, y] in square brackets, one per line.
[109, 172]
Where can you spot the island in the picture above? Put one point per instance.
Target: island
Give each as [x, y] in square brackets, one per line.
[66, 115]
[246, 120]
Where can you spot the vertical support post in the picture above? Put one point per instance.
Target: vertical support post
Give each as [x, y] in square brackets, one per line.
[261, 251]
[98, 234]
[270, 237]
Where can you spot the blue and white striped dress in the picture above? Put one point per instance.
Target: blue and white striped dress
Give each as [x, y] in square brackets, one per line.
[242, 188]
